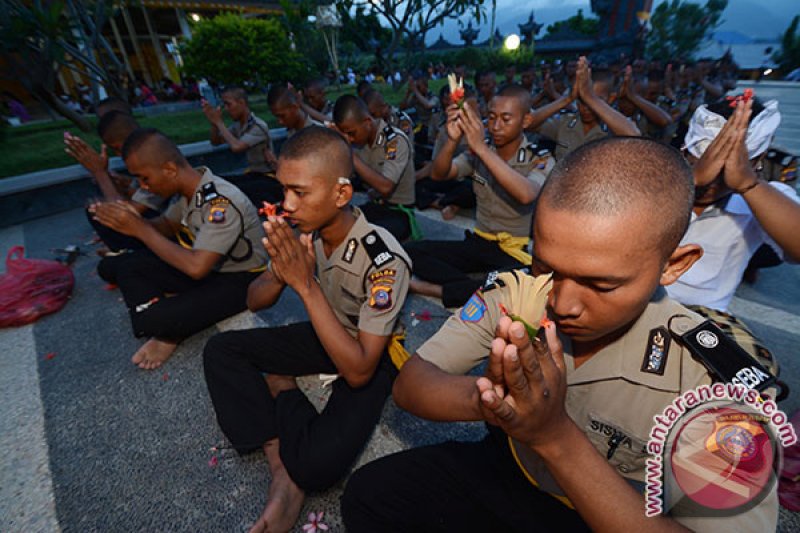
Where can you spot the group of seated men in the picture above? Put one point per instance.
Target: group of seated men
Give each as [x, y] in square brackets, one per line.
[629, 229]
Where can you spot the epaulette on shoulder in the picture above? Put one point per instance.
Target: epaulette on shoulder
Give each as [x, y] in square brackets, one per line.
[207, 192]
[389, 132]
[376, 249]
[493, 280]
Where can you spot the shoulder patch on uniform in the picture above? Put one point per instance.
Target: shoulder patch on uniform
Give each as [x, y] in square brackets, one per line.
[350, 251]
[376, 249]
[656, 351]
[391, 150]
[474, 309]
[217, 214]
[207, 192]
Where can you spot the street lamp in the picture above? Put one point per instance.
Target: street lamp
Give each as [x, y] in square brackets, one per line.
[512, 42]
[195, 17]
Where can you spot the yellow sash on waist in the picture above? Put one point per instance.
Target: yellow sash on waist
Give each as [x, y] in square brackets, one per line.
[397, 351]
[513, 246]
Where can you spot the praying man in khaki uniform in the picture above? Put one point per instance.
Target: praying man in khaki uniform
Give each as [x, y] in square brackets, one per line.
[352, 278]
[506, 175]
[285, 105]
[569, 415]
[384, 160]
[594, 119]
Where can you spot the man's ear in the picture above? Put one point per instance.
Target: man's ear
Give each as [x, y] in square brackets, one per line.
[679, 262]
[344, 193]
[170, 170]
[527, 119]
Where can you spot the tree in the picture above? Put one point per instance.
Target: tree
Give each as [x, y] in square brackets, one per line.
[232, 49]
[577, 23]
[678, 28]
[788, 57]
[39, 37]
[413, 19]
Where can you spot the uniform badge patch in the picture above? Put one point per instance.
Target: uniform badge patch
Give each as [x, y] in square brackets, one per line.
[350, 251]
[216, 215]
[380, 297]
[391, 151]
[474, 309]
[655, 355]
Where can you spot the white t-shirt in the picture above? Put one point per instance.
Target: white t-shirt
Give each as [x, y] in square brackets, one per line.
[729, 235]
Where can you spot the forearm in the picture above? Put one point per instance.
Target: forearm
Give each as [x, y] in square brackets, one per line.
[616, 121]
[778, 215]
[424, 102]
[426, 391]
[605, 501]
[107, 188]
[235, 144]
[514, 183]
[346, 352]
[714, 89]
[654, 113]
[171, 253]
[316, 115]
[545, 112]
[374, 179]
[264, 291]
[442, 168]
[216, 138]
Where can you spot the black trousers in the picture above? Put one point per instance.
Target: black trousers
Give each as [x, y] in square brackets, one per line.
[194, 305]
[317, 449]
[447, 263]
[453, 486]
[395, 221]
[114, 240]
[258, 187]
[448, 192]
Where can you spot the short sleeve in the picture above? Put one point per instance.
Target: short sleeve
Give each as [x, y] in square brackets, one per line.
[221, 227]
[550, 127]
[387, 288]
[254, 135]
[463, 164]
[466, 337]
[174, 212]
[395, 154]
[792, 195]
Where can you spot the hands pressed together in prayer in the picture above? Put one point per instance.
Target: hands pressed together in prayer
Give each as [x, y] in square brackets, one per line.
[465, 122]
[727, 154]
[213, 114]
[85, 154]
[524, 386]
[120, 216]
[292, 259]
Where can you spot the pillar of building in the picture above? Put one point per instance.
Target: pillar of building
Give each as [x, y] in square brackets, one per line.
[121, 46]
[136, 49]
[183, 23]
[157, 48]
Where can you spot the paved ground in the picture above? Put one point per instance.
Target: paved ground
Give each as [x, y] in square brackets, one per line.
[91, 443]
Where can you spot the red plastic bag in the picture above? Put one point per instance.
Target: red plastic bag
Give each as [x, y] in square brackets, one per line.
[32, 288]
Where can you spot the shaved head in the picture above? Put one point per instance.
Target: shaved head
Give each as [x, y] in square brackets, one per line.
[236, 92]
[112, 103]
[153, 147]
[623, 176]
[281, 95]
[519, 93]
[349, 107]
[330, 154]
[115, 127]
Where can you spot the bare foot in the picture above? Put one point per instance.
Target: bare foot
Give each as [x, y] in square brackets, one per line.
[426, 288]
[285, 499]
[449, 212]
[153, 353]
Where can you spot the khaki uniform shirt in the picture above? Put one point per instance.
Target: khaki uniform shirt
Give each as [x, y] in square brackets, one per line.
[255, 134]
[567, 130]
[392, 156]
[309, 122]
[610, 396]
[496, 210]
[365, 279]
[220, 219]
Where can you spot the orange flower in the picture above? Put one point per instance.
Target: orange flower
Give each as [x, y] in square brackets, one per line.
[270, 210]
[456, 90]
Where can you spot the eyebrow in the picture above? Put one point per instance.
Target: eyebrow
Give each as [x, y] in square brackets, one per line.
[583, 279]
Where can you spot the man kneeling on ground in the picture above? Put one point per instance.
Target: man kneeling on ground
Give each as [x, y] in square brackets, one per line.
[352, 278]
[175, 289]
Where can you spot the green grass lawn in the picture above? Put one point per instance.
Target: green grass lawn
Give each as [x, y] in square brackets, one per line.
[40, 146]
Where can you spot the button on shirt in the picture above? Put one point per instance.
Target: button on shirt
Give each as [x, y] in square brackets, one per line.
[391, 156]
[497, 210]
[365, 296]
[254, 133]
[567, 130]
[730, 234]
[607, 396]
[220, 218]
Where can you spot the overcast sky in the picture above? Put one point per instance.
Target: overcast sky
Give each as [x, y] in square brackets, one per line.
[754, 18]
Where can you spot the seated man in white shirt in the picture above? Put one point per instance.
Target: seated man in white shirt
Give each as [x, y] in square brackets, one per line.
[735, 211]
